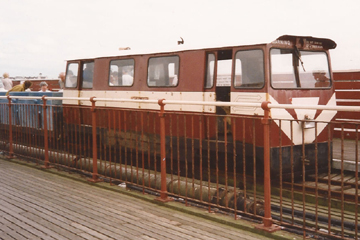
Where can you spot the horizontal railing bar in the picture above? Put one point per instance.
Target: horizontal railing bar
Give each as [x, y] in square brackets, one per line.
[46, 98]
[21, 97]
[125, 100]
[203, 103]
[225, 104]
[315, 107]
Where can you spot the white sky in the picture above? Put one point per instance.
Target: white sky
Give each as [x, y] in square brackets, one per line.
[38, 36]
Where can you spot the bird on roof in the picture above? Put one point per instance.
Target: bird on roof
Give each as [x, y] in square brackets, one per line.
[181, 42]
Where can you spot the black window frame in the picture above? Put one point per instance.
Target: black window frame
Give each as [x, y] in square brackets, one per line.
[133, 76]
[67, 75]
[297, 87]
[82, 75]
[249, 85]
[178, 72]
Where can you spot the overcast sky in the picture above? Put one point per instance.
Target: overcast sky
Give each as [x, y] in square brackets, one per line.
[38, 36]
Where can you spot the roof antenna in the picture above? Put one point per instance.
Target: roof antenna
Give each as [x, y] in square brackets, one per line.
[181, 42]
[124, 48]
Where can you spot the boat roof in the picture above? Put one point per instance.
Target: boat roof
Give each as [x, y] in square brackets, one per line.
[327, 44]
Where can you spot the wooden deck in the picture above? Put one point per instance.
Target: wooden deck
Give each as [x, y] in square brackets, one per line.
[50, 204]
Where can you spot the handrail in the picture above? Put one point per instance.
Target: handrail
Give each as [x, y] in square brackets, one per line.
[203, 103]
[266, 121]
[315, 107]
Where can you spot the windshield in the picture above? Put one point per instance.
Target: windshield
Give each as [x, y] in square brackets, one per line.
[291, 68]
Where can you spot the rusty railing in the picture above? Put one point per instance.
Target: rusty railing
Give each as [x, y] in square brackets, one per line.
[238, 164]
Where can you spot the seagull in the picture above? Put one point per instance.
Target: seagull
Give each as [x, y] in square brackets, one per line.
[181, 42]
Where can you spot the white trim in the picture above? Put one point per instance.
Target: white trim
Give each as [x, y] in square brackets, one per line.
[106, 101]
[347, 90]
[248, 97]
[180, 100]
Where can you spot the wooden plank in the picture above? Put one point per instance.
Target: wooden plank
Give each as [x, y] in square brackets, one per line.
[150, 215]
[50, 201]
[68, 199]
[33, 228]
[23, 231]
[348, 102]
[139, 228]
[87, 236]
[90, 231]
[10, 233]
[310, 207]
[26, 203]
[146, 237]
[3, 234]
[337, 178]
[352, 191]
[70, 211]
[322, 226]
[346, 75]
[352, 180]
[320, 175]
[82, 220]
[348, 178]
[79, 218]
[204, 224]
[177, 231]
[332, 175]
[61, 229]
[349, 148]
[350, 94]
[348, 115]
[347, 84]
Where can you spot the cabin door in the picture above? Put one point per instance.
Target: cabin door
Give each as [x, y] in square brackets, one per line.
[223, 88]
[86, 84]
[72, 90]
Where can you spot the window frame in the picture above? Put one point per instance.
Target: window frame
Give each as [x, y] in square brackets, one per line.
[299, 77]
[178, 68]
[208, 71]
[122, 59]
[263, 69]
[77, 75]
[82, 74]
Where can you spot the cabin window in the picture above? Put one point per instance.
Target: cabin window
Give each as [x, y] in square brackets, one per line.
[210, 68]
[88, 75]
[314, 72]
[249, 69]
[291, 68]
[223, 76]
[163, 71]
[121, 72]
[71, 75]
[282, 70]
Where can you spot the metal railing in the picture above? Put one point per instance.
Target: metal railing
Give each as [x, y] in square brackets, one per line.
[196, 157]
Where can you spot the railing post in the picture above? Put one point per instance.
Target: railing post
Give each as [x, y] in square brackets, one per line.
[11, 151]
[46, 143]
[267, 220]
[163, 192]
[95, 177]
